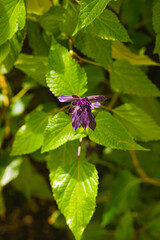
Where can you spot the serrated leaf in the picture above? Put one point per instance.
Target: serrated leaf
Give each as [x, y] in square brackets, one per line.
[124, 193]
[139, 124]
[120, 51]
[30, 136]
[15, 46]
[58, 131]
[89, 10]
[109, 132]
[75, 189]
[95, 48]
[107, 26]
[30, 182]
[33, 66]
[12, 18]
[64, 76]
[129, 79]
[38, 7]
[63, 155]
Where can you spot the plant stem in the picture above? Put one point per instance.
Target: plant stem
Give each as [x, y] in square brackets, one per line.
[79, 148]
[140, 170]
[20, 94]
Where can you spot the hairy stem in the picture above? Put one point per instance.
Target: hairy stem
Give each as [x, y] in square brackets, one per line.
[79, 148]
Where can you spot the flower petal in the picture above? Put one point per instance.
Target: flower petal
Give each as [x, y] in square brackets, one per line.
[92, 123]
[84, 118]
[95, 105]
[99, 98]
[76, 115]
[67, 98]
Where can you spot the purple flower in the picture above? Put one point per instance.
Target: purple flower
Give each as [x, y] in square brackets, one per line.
[81, 112]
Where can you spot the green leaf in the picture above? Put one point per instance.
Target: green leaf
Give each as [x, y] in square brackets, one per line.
[36, 39]
[153, 226]
[139, 124]
[4, 50]
[89, 10]
[156, 15]
[9, 168]
[15, 46]
[157, 46]
[75, 189]
[107, 26]
[95, 48]
[120, 51]
[58, 131]
[38, 7]
[61, 156]
[12, 18]
[70, 19]
[110, 132]
[96, 76]
[129, 79]
[149, 105]
[156, 24]
[33, 66]
[30, 182]
[124, 231]
[124, 193]
[64, 76]
[51, 20]
[30, 136]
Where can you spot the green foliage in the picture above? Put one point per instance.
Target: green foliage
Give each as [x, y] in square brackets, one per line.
[123, 195]
[110, 133]
[86, 48]
[156, 24]
[38, 186]
[89, 11]
[58, 131]
[95, 48]
[107, 26]
[137, 122]
[129, 79]
[33, 66]
[12, 18]
[64, 75]
[30, 136]
[75, 188]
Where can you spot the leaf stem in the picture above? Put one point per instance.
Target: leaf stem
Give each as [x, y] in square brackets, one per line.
[79, 148]
[143, 175]
[56, 111]
[107, 108]
[113, 100]
[83, 59]
[20, 94]
[69, 2]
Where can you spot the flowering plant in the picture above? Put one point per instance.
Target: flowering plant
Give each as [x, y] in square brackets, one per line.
[81, 112]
